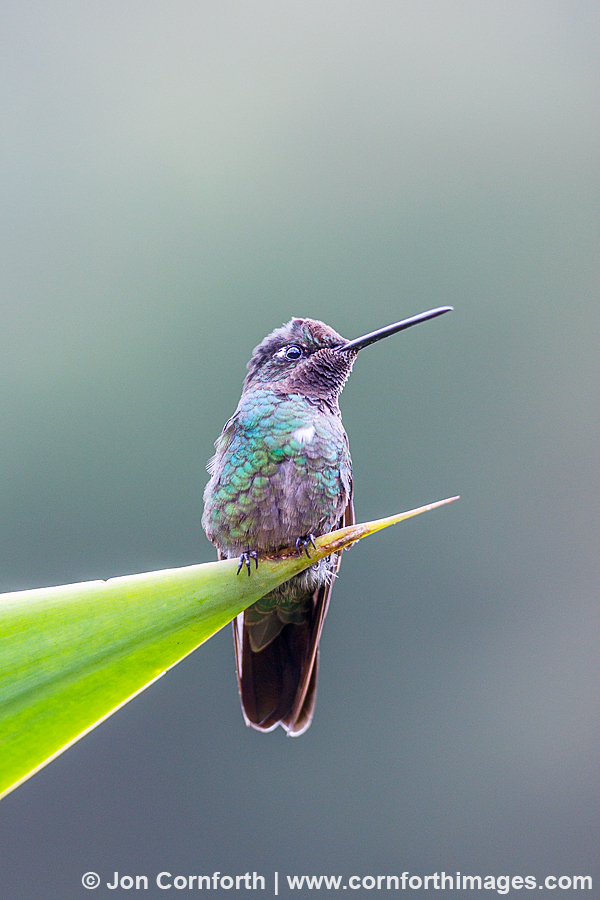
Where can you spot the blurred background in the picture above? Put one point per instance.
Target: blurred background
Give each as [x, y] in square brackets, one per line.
[177, 179]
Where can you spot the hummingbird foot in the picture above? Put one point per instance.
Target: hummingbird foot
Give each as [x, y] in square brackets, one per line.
[303, 542]
[245, 561]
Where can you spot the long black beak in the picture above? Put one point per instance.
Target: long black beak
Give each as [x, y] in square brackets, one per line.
[366, 339]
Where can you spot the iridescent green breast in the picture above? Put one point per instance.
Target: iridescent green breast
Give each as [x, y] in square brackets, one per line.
[281, 470]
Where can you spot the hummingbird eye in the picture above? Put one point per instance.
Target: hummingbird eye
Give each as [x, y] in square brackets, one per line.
[292, 352]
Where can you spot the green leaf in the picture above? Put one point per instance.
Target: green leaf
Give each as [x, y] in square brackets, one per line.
[72, 655]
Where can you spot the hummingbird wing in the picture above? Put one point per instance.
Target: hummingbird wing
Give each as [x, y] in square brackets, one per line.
[302, 711]
[278, 684]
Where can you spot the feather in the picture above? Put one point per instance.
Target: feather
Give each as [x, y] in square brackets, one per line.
[278, 683]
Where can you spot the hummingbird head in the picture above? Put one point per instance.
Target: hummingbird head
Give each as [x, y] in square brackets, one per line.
[307, 357]
[301, 357]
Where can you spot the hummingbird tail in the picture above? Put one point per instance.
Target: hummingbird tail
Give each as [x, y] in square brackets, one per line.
[278, 683]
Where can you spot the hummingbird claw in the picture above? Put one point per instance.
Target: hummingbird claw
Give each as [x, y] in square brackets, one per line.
[245, 561]
[303, 542]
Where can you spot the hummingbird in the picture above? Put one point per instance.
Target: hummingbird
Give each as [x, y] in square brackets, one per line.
[280, 477]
